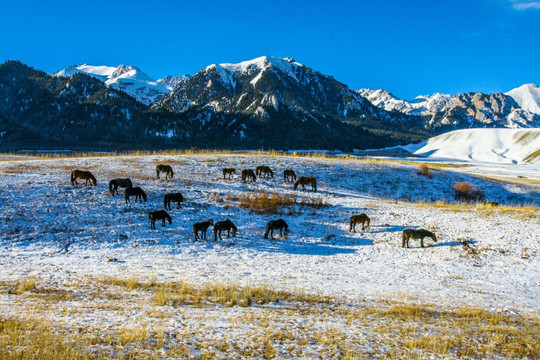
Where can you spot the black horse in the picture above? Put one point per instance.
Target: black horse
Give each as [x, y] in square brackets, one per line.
[157, 215]
[202, 227]
[167, 169]
[289, 174]
[228, 171]
[114, 184]
[280, 225]
[222, 226]
[264, 171]
[174, 197]
[135, 191]
[248, 174]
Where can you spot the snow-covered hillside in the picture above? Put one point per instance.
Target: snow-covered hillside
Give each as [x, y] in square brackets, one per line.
[484, 145]
[527, 96]
[129, 79]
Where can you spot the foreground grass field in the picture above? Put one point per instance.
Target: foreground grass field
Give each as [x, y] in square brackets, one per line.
[232, 321]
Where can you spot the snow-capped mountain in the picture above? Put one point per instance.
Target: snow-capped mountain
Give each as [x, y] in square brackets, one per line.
[129, 79]
[286, 99]
[173, 81]
[449, 112]
[421, 105]
[527, 96]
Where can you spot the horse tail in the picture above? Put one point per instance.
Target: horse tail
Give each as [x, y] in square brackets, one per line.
[368, 220]
[172, 173]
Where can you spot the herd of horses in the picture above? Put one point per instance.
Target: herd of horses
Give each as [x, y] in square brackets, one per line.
[200, 228]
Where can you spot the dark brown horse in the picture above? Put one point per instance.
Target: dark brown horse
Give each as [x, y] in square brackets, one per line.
[358, 219]
[174, 197]
[248, 175]
[280, 225]
[416, 234]
[167, 169]
[289, 174]
[85, 175]
[306, 180]
[228, 171]
[222, 226]
[159, 215]
[135, 191]
[202, 227]
[114, 184]
[264, 171]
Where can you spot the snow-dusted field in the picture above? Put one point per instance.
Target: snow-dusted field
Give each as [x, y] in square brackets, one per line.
[53, 230]
[59, 233]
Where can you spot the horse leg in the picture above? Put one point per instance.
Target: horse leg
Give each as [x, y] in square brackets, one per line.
[153, 224]
[422, 242]
[163, 222]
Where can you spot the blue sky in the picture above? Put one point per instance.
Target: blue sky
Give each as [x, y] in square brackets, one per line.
[407, 47]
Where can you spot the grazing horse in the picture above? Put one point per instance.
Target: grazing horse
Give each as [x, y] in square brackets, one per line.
[228, 171]
[416, 234]
[157, 215]
[355, 219]
[166, 169]
[289, 174]
[85, 175]
[202, 227]
[279, 224]
[306, 180]
[264, 170]
[222, 226]
[134, 191]
[248, 174]
[114, 184]
[175, 197]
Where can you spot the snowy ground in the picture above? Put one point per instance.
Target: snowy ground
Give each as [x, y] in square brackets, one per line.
[72, 237]
[55, 231]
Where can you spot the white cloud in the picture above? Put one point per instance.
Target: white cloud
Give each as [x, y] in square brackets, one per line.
[525, 4]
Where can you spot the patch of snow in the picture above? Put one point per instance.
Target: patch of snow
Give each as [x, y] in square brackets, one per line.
[527, 96]
[483, 145]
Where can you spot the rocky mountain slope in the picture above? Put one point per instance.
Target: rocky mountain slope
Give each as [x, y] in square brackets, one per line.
[266, 102]
[441, 112]
[271, 100]
[129, 79]
[44, 110]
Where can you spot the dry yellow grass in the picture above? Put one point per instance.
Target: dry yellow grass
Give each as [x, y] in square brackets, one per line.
[301, 325]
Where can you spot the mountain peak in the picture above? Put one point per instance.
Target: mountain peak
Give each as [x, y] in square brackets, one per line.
[527, 96]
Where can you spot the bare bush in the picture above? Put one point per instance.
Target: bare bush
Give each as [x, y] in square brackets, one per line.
[424, 171]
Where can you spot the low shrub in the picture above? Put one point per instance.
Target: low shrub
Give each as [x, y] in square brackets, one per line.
[424, 171]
